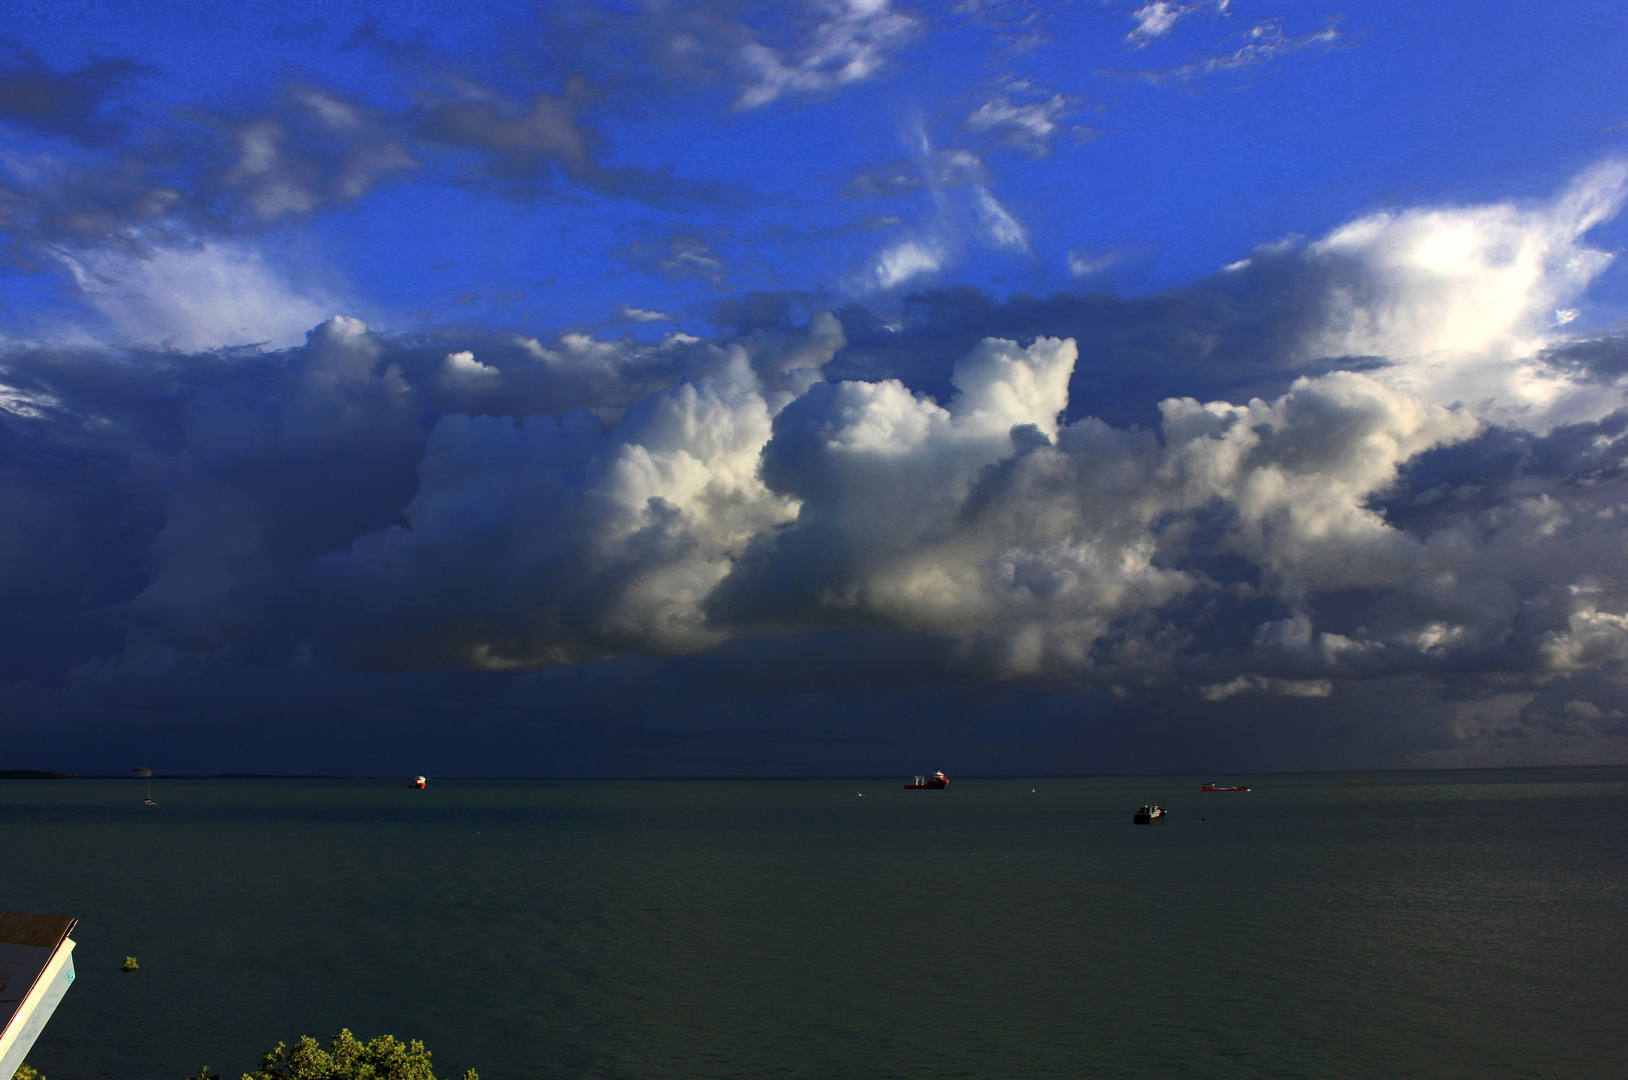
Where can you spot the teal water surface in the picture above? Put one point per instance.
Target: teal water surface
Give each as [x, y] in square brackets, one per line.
[1377, 925]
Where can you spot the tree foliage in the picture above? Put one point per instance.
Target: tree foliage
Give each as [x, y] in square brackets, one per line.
[347, 1058]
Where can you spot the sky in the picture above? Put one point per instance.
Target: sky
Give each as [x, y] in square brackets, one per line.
[819, 387]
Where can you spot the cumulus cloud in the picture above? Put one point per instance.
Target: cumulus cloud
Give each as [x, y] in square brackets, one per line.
[462, 369]
[1316, 508]
[1460, 300]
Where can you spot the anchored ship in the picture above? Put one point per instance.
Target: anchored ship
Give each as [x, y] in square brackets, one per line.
[937, 780]
[1212, 787]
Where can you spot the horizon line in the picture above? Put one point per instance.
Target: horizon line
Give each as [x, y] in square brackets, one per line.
[56, 774]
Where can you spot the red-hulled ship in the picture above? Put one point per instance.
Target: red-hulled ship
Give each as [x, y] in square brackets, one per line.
[1212, 787]
[937, 780]
[419, 782]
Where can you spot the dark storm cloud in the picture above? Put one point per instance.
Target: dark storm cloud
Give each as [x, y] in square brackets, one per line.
[196, 174]
[522, 140]
[212, 176]
[66, 103]
[523, 145]
[1603, 359]
[123, 205]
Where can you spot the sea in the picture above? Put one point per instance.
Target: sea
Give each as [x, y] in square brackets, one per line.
[1405, 924]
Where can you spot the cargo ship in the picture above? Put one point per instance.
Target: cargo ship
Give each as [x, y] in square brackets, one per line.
[1212, 787]
[1147, 815]
[937, 780]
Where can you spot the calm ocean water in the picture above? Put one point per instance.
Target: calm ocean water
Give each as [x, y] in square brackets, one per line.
[1377, 925]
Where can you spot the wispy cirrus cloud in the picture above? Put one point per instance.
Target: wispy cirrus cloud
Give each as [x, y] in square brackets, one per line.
[1261, 43]
[848, 41]
[963, 211]
[781, 51]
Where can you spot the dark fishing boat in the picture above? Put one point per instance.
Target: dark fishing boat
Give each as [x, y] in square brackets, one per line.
[1147, 815]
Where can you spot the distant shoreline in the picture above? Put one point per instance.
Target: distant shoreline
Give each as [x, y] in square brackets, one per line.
[52, 774]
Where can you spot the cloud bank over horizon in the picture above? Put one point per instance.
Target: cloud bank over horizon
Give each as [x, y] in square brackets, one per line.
[821, 386]
[1370, 458]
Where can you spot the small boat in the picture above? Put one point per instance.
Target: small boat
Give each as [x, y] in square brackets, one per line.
[419, 782]
[1212, 787]
[933, 782]
[1147, 815]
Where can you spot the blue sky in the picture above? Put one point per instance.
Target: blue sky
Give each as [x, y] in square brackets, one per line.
[1154, 157]
[533, 349]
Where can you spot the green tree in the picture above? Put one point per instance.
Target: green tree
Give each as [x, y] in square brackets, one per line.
[25, 1071]
[347, 1058]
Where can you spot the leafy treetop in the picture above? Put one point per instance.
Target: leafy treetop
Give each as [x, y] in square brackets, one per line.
[347, 1058]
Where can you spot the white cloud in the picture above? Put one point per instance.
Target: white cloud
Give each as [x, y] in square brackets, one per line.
[1462, 300]
[1155, 20]
[1261, 43]
[30, 405]
[849, 42]
[1026, 126]
[643, 315]
[988, 519]
[1083, 263]
[1592, 637]
[197, 297]
[964, 211]
[1243, 684]
[1000, 228]
[462, 369]
[1159, 17]
[904, 262]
